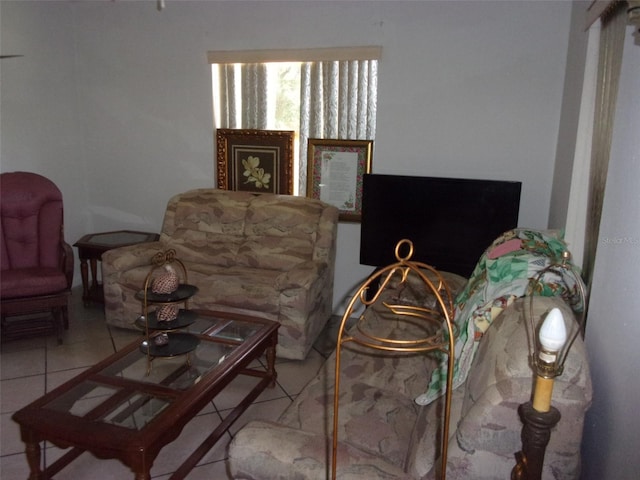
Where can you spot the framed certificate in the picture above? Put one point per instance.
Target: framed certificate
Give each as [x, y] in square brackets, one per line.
[335, 170]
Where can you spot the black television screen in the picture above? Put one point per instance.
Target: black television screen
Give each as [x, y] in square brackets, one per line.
[450, 221]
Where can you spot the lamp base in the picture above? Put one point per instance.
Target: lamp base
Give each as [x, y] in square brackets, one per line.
[536, 432]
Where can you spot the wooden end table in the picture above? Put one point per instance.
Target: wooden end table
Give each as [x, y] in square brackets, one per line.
[92, 246]
[116, 410]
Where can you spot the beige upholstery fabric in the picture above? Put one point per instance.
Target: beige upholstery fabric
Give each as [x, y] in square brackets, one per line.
[267, 255]
[502, 380]
[384, 434]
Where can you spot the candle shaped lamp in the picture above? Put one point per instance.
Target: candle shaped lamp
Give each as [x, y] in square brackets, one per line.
[552, 337]
[549, 353]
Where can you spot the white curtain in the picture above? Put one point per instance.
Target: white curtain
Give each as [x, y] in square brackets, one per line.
[593, 143]
[609, 64]
[252, 88]
[338, 100]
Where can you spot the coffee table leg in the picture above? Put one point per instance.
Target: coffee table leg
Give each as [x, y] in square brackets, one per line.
[33, 459]
[271, 359]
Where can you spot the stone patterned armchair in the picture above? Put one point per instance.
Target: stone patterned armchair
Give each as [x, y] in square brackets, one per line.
[386, 435]
[267, 255]
[386, 431]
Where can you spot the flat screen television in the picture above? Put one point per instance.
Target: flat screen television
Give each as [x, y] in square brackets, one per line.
[451, 221]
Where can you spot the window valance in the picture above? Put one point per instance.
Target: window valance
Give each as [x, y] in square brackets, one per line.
[295, 55]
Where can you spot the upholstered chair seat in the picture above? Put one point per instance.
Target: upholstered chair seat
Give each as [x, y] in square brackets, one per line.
[36, 262]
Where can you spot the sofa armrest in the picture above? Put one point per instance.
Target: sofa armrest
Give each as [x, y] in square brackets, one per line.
[302, 275]
[132, 256]
[501, 379]
[267, 450]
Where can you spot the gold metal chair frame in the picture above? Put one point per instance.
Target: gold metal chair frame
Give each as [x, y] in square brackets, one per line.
[440, 321]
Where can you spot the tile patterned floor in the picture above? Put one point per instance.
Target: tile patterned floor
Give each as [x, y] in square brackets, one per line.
[32, 367]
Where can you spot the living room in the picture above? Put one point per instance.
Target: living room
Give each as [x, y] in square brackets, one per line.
[112, 100]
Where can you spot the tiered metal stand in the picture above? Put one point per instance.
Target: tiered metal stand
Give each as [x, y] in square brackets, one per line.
[435, 324]
[179, 343]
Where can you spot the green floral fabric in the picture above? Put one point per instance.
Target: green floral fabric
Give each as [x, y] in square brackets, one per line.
[503, 274]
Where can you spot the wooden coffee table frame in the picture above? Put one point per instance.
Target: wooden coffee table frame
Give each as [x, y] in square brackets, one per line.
[138, 448]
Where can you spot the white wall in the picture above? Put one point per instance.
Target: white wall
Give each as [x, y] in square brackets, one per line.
[113, 98]
[612, 438]
[39, 128]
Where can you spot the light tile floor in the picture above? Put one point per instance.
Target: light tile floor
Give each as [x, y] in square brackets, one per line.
[34, 366]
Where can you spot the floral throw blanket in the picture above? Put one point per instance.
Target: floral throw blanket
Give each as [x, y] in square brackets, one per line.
[502, 275]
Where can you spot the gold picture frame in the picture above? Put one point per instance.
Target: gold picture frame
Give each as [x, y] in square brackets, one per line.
[259, 161]
[335, 172]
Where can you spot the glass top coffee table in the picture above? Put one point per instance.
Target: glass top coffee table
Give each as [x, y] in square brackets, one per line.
[118, 410]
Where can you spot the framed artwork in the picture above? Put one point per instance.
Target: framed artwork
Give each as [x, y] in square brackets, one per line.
[335, 169]
[258, 161]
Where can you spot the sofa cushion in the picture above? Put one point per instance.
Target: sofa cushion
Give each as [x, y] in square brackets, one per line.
[376, 421]
[377, 411]
[279, 232]
[239, 287]
[274, 253]
[283, 216]
[264, 450]
[275, 232]
[199, 247]
[425, 444]
[29, 282]
[206, 210]
[206, 226]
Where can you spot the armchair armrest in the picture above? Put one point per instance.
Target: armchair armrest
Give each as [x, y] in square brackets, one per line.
[66, 262]
[131, 256]
[302, 275]
[501, 379]
[266, 450]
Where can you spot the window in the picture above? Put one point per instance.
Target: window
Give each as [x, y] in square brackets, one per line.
[318, 93]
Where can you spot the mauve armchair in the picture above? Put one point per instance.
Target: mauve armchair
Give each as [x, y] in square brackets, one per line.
[36, 262]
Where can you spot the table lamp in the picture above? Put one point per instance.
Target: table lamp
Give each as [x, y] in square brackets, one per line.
[548, 355]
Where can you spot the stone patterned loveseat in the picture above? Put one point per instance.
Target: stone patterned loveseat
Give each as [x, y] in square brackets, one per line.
[262, 254]
[385, 432]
